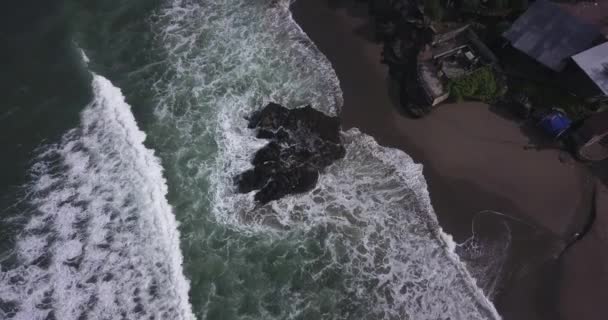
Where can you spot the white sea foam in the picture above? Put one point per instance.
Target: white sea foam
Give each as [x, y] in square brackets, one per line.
[84, 56]
[385, 236]
[102, 241]
[486, 252]
[370, 212]
[226, 59]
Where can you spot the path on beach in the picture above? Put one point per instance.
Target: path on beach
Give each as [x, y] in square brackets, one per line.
[475, 158]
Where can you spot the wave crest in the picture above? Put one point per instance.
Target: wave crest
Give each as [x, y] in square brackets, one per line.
[102, 240]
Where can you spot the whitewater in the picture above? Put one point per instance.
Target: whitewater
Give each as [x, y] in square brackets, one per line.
[101, 238]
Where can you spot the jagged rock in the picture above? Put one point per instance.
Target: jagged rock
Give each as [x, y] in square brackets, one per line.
[302, 143]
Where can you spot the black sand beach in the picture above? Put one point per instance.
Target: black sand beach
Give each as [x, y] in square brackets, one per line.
[474, 160]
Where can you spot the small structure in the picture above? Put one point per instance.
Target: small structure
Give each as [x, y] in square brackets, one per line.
[592, 138]
[443, 32]
[461, 53]
[455, 51]
[433, 86]
[594, 62]
[550, 35]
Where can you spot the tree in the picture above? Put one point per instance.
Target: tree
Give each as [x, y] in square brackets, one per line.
[471, 4]
[433, 9]
[519, 5]
[499, 4]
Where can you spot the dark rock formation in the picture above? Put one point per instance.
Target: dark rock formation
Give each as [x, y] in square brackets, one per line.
[302, 143]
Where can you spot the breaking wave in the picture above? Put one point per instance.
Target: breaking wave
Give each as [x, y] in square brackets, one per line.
[364, 244]
[101, 241]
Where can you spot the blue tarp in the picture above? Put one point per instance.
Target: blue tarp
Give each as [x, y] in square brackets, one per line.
[555, 123]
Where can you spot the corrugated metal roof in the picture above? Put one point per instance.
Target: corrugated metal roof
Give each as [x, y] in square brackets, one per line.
[595, 64]
[550, 35]
[429, 80]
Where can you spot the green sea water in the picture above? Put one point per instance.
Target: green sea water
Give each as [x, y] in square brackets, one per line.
[125, 122]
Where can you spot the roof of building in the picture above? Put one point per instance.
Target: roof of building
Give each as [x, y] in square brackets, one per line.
[431, 83]
[595, 64]
[550, 35]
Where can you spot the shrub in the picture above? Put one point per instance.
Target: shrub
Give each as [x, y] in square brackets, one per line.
[545, 97]
[433, 9]
[471, 4]
[519, 5]
[479, 85]
[499, 4]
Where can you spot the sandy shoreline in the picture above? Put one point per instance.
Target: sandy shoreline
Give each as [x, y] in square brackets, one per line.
[474, 160]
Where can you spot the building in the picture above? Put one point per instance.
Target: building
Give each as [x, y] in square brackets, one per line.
[460, 52]
[454, 52]
[551, 36]
[435, 89]
[594, 63]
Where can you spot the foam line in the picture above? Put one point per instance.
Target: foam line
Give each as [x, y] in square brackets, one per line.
[378, 230]
[102, 241]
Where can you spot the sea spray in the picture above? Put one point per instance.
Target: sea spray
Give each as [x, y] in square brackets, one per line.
[364, 244]
[226, 59]
[384, 237]
[102, 241]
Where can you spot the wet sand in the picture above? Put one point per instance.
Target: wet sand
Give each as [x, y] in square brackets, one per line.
[475, 158]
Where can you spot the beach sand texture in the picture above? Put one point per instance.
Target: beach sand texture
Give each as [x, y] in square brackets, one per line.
[475, 159]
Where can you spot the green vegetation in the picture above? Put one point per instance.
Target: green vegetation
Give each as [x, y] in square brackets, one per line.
[516, 5]
[547, 97]
[433, 9]
[519, 5]
[499, 4]
[471, 4]
[479, 85]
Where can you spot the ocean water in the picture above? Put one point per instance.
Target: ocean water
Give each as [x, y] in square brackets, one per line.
[126, 208]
